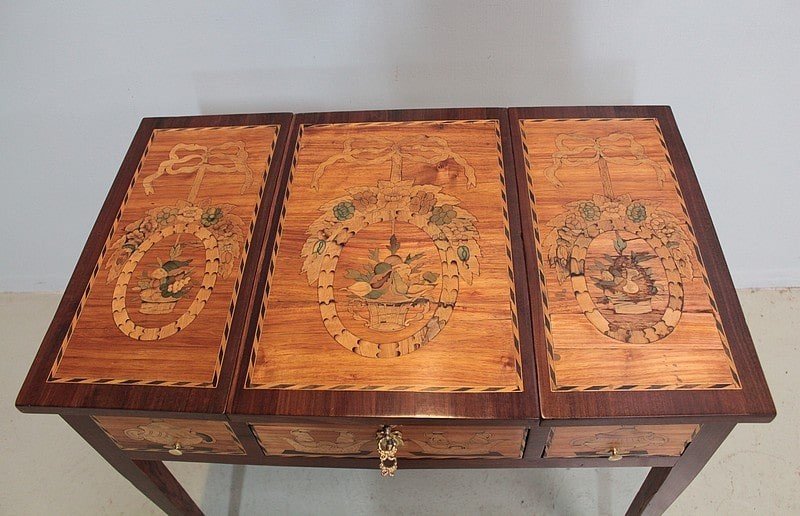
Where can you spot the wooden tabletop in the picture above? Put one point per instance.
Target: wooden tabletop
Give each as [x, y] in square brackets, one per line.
[483, 263]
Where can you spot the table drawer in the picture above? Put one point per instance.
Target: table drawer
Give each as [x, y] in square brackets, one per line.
[419, 441]
[616, 442]
[174, 436]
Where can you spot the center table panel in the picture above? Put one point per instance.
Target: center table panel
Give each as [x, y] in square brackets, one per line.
[392, 247]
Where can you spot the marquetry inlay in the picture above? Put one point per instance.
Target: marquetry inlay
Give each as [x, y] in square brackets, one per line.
[419, 441]
[158, 307]
[629, 440]
[393, 245]
[624, 291]
[171, 435]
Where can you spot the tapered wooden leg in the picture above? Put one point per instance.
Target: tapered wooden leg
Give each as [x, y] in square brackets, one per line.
[150, 477]
[663, 485]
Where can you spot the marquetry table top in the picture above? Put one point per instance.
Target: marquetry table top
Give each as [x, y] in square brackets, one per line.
[554, 263]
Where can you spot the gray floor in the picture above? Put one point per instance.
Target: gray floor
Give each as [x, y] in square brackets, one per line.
[48, 469]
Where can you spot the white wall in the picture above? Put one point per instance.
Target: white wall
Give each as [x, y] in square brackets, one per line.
[76, 78]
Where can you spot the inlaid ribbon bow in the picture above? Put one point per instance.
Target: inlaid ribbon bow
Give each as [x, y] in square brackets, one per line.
[189, 158]
[376, 150]
[618, 148]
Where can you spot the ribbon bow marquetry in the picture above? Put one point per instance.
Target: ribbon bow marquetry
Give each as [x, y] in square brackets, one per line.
[190, 158]
[575, 150]
[376, 150]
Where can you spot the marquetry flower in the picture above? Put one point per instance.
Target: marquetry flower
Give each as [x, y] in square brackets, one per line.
[636, 212]
[441, 215]
[574, 222]
[589, 210]
[190, 212]
[344, 210]
[562, 250]
[667, 232]
[391, 196]
[211, 216]
[134, 239]
[226, 253]
[657, 222]
[167, 216]
[614, 209]
[147, 225]
[122, 256]
[364, 199]
[422, 202]
[462, 229]
[225, 228]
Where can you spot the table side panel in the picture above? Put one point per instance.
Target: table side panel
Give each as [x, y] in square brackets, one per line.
[634, 312]
[154, 313]
[159, 306]
[626, 295]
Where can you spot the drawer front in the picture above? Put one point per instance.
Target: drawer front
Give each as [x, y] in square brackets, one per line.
[419, 441]
[618, 441]
[174, 436]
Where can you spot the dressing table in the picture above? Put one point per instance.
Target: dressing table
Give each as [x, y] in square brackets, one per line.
[393, 290]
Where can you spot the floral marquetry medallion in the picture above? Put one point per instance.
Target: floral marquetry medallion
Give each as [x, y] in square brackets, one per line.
[163, 293]
[393, 243]
[626, 302]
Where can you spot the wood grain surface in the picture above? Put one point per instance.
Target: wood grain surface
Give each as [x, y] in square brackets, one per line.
[486, 442]
[394, 247]
[124, 357]
[459, 364]
[626, 293]
[629, 440]
[159, 305]
[624, 249]
[162, 435]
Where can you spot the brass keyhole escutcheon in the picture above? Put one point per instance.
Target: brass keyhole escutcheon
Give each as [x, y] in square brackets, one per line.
[388, 440]
[176, 450]
[615, 455]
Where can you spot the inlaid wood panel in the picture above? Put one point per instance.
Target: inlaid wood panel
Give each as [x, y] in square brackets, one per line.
[626, 300]
[162, 435]
[392, 267]
[289, 440]
[159, 304]
[593, 441]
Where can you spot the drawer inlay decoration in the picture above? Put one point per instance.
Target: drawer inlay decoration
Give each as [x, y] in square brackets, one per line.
[419, 441]
[643, 440]
[158, 308]
[624, 291]
[162, 435]
[393, 243]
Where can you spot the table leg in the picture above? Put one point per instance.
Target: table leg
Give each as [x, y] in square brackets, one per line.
[151, 477]
[663, 485]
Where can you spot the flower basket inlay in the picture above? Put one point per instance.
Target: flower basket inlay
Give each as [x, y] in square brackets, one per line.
[393, 288]
[644, 255]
